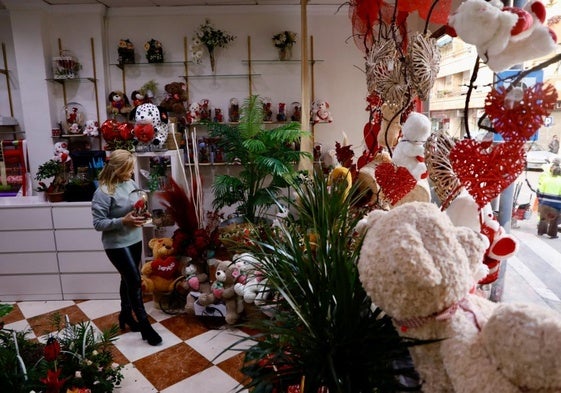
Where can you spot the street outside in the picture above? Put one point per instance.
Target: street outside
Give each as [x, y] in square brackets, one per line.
[527, 195]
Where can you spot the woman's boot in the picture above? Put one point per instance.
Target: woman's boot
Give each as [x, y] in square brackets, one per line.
[126, 318]
[148, 333]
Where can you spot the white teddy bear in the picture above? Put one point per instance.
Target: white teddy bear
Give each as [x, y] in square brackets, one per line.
[90, 128]
[253, 286]
[410, 150]
[504, 36]
[320, 112]
[62, 154]
[419, 268]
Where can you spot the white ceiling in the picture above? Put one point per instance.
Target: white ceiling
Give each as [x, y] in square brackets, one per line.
[174, 3]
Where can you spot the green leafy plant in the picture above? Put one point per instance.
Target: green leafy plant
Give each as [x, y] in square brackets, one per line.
[267, 157]
[55, 170]
[323, 329]
[73, 357]
[211, 38]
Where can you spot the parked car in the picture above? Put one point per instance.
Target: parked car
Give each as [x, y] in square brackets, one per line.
[537, 156]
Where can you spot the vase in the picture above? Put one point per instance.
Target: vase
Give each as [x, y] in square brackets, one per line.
[285, 53]
[55, 196]
[212, 60]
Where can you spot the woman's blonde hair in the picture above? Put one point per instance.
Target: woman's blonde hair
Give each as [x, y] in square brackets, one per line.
[119, 165]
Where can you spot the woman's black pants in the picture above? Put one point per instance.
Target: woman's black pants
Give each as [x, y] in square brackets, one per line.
[127, 262]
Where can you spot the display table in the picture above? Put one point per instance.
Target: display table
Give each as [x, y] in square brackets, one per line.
[50, 251]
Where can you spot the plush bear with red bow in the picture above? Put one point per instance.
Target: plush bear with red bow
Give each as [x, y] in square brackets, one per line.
[62, 154]
[504, 36]
[222, 290]
[419, 268]
[175, 99]
[159, 275]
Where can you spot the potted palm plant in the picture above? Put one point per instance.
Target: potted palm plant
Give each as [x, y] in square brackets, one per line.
[58, 172]
[267, 157]
[323, 331]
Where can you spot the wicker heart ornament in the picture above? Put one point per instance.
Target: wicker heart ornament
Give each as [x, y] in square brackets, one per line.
[485, 170]
[395, 181]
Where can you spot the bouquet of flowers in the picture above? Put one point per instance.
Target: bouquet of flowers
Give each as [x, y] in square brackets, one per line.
[284, 39]
[211, 38]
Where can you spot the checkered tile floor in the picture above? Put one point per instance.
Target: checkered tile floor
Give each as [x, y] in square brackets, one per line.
[186, 361]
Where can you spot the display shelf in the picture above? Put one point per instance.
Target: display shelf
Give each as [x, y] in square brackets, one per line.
[92, 80]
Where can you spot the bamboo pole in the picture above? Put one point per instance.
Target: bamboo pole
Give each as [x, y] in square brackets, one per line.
[307, 143]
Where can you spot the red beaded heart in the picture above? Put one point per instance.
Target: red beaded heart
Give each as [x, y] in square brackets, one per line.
[395, 181]
[485, 170]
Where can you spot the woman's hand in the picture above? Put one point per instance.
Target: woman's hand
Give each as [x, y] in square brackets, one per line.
[133, 221]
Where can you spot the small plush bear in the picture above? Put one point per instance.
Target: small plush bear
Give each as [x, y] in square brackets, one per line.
[159, 275]
[175, 100]
[118, 103]
[62, 154]
[90, 128]
[222, 289]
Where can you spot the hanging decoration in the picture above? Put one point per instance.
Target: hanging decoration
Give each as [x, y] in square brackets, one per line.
[517, 114]
[486, 170]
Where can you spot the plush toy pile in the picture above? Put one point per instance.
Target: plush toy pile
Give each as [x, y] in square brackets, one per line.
[421, 269]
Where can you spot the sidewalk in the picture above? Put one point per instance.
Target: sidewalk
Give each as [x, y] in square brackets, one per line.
[533, 275]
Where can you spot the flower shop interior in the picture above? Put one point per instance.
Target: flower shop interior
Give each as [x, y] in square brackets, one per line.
[370, 226]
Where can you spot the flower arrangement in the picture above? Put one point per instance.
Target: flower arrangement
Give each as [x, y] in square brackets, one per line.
[74, 359]
[197, 234]
[154, 51]
[211, 38]
[158, 171]
[284, 39]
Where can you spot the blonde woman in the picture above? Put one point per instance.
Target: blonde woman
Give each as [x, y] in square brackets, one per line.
[113, 216]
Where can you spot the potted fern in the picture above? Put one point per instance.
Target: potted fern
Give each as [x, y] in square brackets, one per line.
[267, 158]
[323, 331]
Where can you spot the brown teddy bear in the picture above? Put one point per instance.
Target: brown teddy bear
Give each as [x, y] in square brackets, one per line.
[118, 103]
[175, 99]
[159, 275]
[222, 289]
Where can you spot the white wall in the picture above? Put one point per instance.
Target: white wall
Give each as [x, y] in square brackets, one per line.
[337, 78]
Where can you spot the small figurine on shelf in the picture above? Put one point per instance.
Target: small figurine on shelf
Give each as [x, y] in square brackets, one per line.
[154, 51]
[205, 109]
[149, 90]
[126, 51]
[296, 111]
[267, 110]
[72, 118]
[137, 98]
[118, 103]
[203, 151]
[194, 114]
[281, 115]
[91, 128]
[234, 111]
[320, 112]
[218, 118]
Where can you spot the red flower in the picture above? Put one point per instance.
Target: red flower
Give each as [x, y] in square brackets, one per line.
[52, 349]
[54, 384]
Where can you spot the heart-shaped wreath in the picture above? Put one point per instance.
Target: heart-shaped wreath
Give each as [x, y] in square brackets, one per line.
[485, 170]
[395, 181]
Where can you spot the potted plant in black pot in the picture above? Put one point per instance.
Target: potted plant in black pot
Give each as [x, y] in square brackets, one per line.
[267, 157]
[57, 171]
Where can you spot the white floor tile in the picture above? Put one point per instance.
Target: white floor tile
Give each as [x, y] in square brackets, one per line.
[210, 344]
[31, 309]
[133, 347]
[98, 308]
[134, 381]
[21, 326]
[211, 380]
[155, 312]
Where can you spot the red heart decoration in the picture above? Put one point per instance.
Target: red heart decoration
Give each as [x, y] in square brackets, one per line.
[109, 130]
[125, 131]
[484, 170]
[519, 114]
[395, 181]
